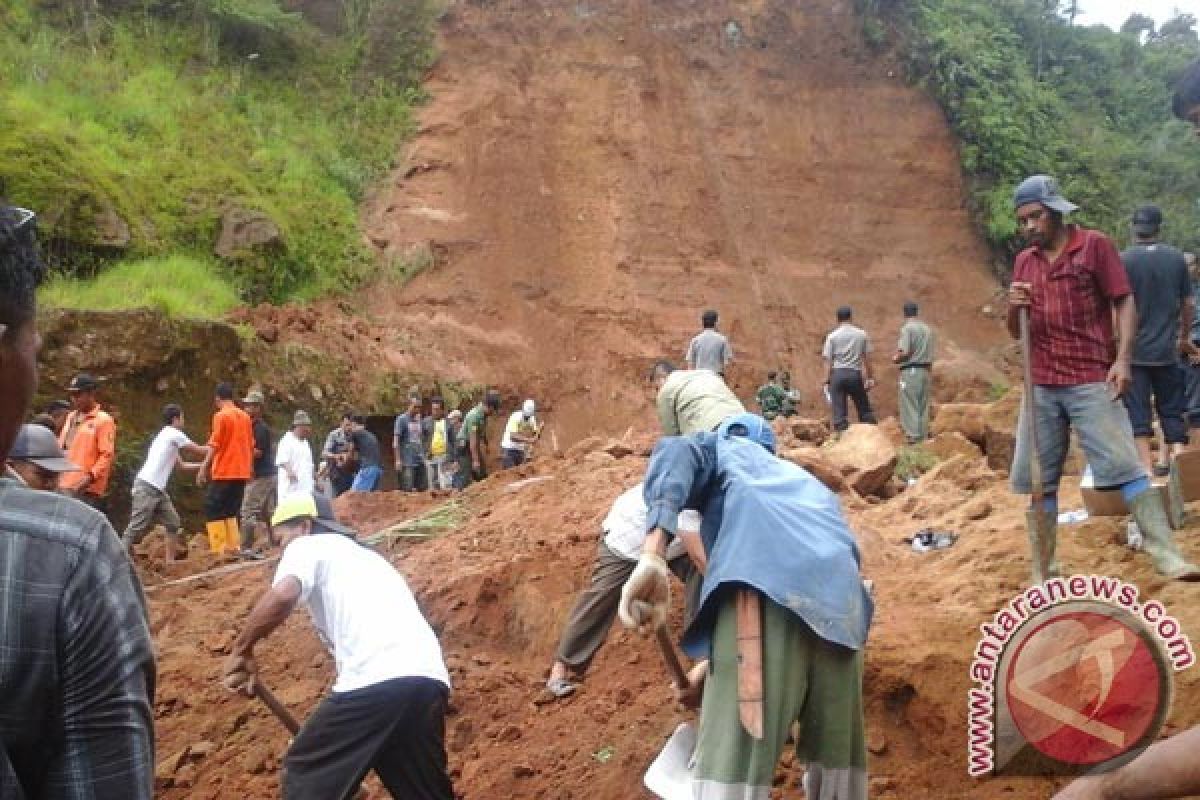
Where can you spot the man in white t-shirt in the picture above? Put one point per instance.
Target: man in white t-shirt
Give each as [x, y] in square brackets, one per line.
[151, 503]
[388, 705]
[294, 459]
[519, 435]
[593, 614]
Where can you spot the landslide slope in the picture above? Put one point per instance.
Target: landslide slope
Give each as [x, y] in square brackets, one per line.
[590, 175]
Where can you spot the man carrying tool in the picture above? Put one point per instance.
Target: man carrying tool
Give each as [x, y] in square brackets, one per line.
[388, 705]
[89, 436]
[783, 613]
[258, 500]
[847, 353]
[77, 663]
[691, 400]
[226, 470]
[520, 434]
[151, 503]
[592, 616]
[914, 357]
[472, 439]
[1070, 282]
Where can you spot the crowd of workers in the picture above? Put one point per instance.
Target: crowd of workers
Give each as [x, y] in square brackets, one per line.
[775, 613]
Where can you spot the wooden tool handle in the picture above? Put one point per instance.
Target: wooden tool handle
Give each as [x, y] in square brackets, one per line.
[277, 708]
[1035, 460]
[671, 657]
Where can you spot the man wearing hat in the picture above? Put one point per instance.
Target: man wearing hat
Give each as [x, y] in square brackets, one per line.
[1162, 291]
[388, 705]
[260, 491]
[783, 612]
[520, 434]
[294, 459]
[36, 460]
[150, 502]
[89, 435]
[1072, 283]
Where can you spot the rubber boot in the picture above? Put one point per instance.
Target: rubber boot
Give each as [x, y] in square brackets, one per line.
[174, 550]
[1043, 542]
[216, 536]
[1176, 513]
[1151, 516]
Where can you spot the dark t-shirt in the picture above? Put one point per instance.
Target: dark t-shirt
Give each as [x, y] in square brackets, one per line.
[264, 465]
[1159, 277]
[367, 447]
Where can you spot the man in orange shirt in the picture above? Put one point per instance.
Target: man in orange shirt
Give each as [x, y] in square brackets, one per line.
[226, 470]
[89, 436]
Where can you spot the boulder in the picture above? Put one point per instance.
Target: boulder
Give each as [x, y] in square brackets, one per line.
[952, 443]
[1000, 430]
[109, 230]
[246, 231]
[809, 430]
[866, 457]
[813, 460]
[962, 418]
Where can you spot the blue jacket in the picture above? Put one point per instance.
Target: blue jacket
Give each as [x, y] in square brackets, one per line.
[768, 524]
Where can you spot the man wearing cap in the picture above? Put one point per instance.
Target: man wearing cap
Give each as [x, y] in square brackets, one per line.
[691, 400]
[472, 439]
[226, 470]
[58, 410]
[36, 460]
[914, 357]
[150, 502]
[847, 353]
[77, 663]
[294, 459]
[771, 397]
[1072, 283]
[388, 705]
[336, 458]
[709, 349]
[1162, 291]
[259, 498]
[519, 435]
[783, 612]
[89, 436]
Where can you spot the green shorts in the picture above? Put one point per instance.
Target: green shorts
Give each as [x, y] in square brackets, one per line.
[805, 680]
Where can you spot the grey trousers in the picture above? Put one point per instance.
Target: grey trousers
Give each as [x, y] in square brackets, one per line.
[150, 506]
[914, 402]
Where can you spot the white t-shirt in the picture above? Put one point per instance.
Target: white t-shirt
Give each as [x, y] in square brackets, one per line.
[296, 453]
[363, 610]
[625, 526]
[161, 458]
[515, 420]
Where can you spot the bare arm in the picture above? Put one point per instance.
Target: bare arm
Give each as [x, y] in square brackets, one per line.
[1126, 313]
[694, 546]
[1187, 313]
[656, 542]
[1167, 769]
[268, 614]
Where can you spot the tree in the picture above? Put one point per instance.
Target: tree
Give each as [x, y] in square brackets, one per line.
[1139, 25]
[1181, 26]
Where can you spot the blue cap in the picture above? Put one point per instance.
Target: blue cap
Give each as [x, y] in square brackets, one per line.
[1045, 190]
[752, 426]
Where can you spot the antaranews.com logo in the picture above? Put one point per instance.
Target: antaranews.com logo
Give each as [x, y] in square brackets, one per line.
[1074, 675]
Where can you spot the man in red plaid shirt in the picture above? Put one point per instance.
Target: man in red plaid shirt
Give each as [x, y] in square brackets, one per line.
[1073, 283]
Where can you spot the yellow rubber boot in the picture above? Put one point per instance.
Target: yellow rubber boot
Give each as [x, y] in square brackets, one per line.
[216, 536]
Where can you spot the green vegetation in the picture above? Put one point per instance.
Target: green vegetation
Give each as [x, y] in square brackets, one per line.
[913, 461]
[176, 285]
[1027, 91]
[160, 115]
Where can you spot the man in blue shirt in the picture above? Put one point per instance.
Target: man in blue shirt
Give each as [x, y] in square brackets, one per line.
[783, 612]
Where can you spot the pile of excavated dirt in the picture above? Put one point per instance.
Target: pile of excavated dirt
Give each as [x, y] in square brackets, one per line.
[498, 587]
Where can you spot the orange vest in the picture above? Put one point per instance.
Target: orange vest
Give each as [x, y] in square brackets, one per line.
[90, 440]
[232, 442]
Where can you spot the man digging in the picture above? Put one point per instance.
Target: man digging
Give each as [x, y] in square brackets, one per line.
[388, 705]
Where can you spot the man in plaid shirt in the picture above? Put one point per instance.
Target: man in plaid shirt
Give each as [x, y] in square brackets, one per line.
[77, 667]
[1073, 283]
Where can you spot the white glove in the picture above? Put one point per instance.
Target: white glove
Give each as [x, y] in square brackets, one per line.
[646, 596]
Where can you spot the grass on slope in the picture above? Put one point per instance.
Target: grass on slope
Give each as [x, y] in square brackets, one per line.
[176, 285]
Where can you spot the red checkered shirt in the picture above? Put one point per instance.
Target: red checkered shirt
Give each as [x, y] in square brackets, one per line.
[1071, 320]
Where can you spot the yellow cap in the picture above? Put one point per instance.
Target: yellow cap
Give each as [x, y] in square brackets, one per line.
[293, 508]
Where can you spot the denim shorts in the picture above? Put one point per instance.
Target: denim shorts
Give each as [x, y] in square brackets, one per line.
[1100, 422]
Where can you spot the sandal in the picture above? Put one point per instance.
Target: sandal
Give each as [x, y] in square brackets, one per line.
[560, 687]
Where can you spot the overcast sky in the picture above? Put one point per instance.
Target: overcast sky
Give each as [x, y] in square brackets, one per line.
[1114, 12]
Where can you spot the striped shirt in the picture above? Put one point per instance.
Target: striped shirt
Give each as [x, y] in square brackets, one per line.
[1071, 316]
[76, 662]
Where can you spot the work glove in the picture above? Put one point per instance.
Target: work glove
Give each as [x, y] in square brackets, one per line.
[646, 596]
[238, 674]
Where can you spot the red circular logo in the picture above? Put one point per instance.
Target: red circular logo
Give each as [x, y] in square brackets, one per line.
[1087, 684]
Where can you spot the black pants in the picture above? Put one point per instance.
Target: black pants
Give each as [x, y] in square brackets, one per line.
[396, 728]
[1162, 389]
[845, 383]
[340, 481]
[512, 458]
[223, 500]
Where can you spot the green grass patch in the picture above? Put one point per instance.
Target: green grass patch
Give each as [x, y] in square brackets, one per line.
[913, 462]
[176, 285]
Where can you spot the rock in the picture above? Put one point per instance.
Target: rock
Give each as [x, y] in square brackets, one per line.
[109, 230]
[977, 509]
[865, 456]
[256, 760]
[1000, 430]
[877, 743]
[202, 749]
[814, 460]
[962, 418]
[809, 430]
[952, 443]
[522, 771]
[618, 449]
[245, 231]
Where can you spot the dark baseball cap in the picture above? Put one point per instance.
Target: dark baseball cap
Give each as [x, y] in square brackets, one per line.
[1147, 219]
[1042, 189]
[83, 382]
[37, 445]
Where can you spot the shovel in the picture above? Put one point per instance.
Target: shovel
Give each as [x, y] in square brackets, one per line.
[670, 775]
